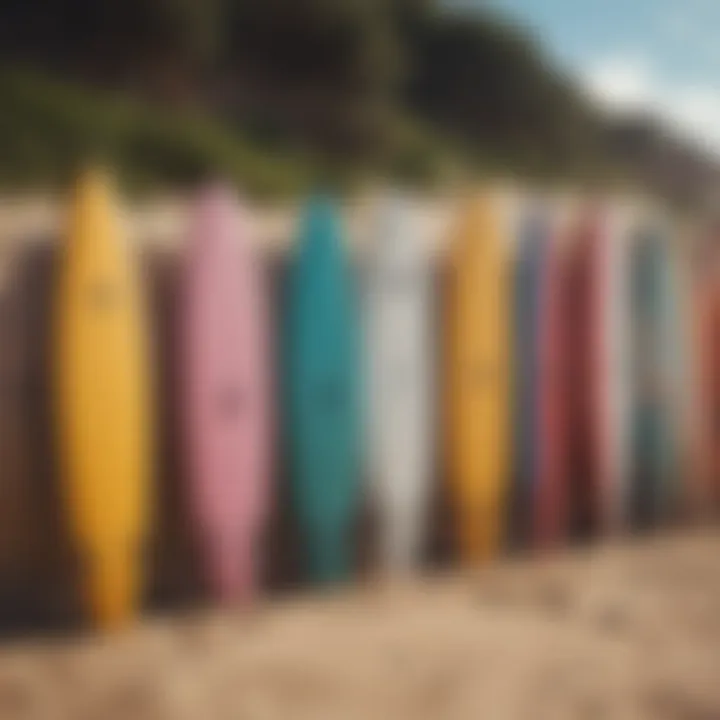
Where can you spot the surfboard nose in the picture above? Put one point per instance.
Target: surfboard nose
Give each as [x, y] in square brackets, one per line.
[217, 193]
[93, 203]
[320, 225]
[215, 209]
[94, 179]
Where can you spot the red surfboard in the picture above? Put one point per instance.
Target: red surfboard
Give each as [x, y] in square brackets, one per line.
[594, 375]
[701, 492]
[707, 294]
[715, 384]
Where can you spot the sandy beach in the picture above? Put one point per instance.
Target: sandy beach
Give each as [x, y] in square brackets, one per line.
[623, 631]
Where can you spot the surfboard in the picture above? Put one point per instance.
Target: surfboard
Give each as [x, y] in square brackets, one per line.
[711, 374]
[654, 439]
[225, 383]
[714, 380]
[527, 292]
[700, 495]
[103, 402]
[597, 376]
[538, 391]
[616, 361]
[323, 393]
[478, 378]
[685, 346]
[704, 311]
[399, 305]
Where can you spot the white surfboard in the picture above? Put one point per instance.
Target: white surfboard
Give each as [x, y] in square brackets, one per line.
[617, 361]
[399, 336]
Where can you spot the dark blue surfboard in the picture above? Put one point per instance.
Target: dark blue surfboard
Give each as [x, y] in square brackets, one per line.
[526, 337]
[323, 395]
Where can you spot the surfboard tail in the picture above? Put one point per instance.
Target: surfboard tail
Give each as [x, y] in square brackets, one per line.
[550, 517]
[481, 534]
[401, 538]
[231, 571]
[113, 590]
[329, 556]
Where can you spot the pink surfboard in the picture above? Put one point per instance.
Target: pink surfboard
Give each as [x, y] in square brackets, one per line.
[225, 384]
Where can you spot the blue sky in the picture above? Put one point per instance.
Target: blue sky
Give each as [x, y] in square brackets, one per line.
[659, 55]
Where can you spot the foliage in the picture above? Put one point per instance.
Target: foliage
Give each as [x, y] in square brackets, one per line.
[47, 129]
[279, 94]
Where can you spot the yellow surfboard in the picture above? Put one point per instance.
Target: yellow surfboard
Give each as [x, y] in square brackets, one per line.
[478, 377]
[103, 402]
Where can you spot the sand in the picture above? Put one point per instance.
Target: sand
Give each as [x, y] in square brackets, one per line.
[622, 631]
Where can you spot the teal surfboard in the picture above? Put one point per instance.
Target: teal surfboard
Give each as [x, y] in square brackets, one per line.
[654, 360]
[323, 394]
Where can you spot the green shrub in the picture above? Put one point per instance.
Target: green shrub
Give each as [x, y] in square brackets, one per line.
[48, 129]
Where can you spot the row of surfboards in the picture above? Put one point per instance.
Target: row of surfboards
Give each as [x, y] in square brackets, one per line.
[548, 377]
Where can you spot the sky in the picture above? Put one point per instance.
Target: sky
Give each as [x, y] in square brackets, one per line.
[662, 56]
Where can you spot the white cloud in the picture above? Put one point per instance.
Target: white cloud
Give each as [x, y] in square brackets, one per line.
[629, 84]
[621, 84]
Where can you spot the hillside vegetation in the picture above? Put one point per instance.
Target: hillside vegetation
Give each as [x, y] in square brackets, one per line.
[282, 94]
